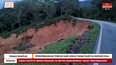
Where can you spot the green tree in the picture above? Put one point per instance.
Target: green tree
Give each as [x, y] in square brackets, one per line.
[49, 9]
[69, 7]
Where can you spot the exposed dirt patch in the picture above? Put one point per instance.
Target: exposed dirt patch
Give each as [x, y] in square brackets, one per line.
[40, 38]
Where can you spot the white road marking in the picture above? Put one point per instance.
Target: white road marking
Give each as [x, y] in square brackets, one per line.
[99, 43]
[100, 38]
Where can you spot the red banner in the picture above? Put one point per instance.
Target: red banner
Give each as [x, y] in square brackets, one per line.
[46, 60]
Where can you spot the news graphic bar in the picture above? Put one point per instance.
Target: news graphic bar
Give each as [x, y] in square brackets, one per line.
[57, 58]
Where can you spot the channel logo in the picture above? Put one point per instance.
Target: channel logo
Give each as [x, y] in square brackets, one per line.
[9, 5]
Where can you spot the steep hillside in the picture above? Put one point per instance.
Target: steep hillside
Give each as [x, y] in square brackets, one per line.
[35, 40]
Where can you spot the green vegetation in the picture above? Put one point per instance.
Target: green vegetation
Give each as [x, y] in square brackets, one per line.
[34, 11]
[92, 37]
[38, 24]
[27, 12]
[60, 47]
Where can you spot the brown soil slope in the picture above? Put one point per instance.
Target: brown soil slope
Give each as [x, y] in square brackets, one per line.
[42, 37]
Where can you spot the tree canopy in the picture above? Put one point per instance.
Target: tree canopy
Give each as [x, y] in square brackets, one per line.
[27, 12]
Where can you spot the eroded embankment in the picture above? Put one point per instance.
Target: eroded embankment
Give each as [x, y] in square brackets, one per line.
[34, 40]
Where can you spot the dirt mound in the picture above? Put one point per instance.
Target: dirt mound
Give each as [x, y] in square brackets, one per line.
[42, 37]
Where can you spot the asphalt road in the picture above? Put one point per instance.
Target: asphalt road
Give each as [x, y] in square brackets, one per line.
[107, 40]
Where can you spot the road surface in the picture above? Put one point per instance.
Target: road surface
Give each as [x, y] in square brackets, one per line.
[107, 39]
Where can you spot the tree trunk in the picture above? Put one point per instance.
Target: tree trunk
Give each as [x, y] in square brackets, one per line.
[19, 14]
